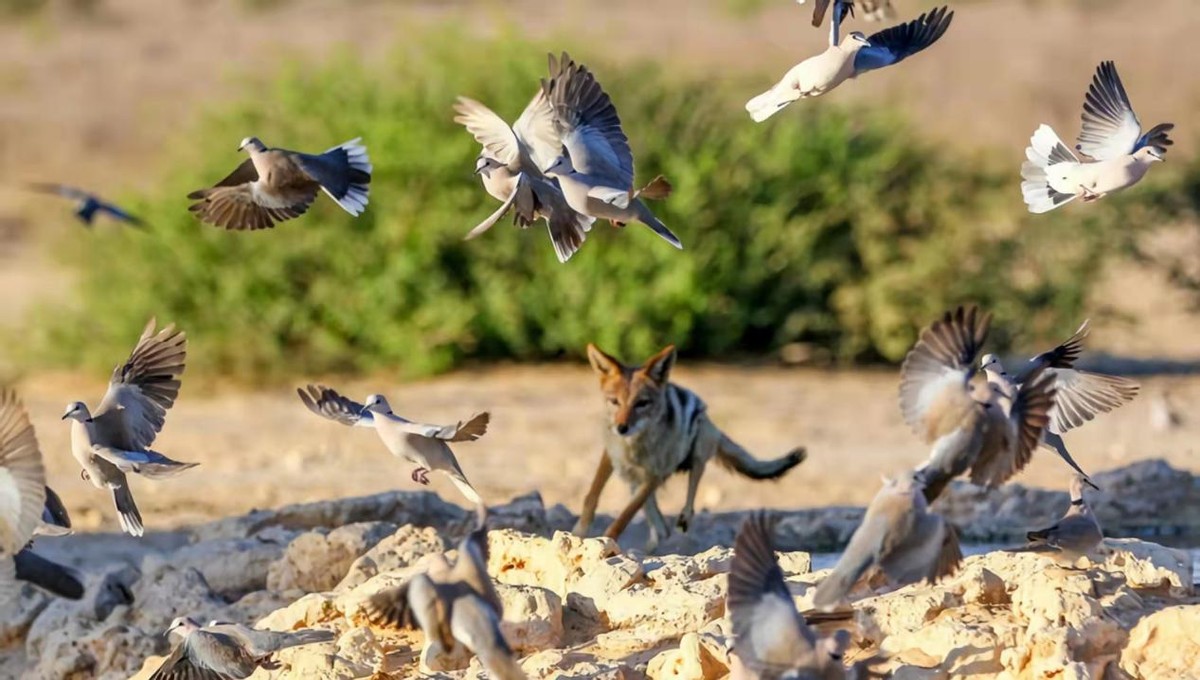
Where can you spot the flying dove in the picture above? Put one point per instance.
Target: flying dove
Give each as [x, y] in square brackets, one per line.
[1111, 136]
[1078, 533]
[993, 436]
[22, 502]
[510, 167]
[1079, 395]
[421, 444]
[771, 638]
[853, 56]
[453, 603]
[115, 440]
[87, 204]
[593, 163]
[203, 654]
[898, 535]
[275, 185]
[261, 644]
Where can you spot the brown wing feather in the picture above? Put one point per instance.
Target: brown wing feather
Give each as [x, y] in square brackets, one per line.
[235, 207]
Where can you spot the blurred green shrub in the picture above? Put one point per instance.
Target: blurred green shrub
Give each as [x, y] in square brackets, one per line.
[833, 226]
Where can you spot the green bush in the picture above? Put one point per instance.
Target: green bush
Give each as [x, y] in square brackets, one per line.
[827, 225]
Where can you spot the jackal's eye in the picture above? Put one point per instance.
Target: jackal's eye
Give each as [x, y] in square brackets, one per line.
[614, 402]
[641, 403]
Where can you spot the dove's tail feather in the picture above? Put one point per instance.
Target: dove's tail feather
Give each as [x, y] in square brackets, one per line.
[658, 189]
[768, 103]
[647, 218]
[1045, 149]
[56, 578]
[466, 489]
[127, 510]
[349, 185]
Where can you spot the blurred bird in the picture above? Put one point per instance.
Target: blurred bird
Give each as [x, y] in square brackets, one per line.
[116, 439]
[510, 166]
[898, 535]
[23, 499]
[423, 445]
[594, 165]
[203, 654]
[55, 520]
[261, 644]
[1164, 415]
[453, 603]
[1075, 535]
[771, 638]
[993, 436]
[275, 185]
[1079, 396]
[87, 205]
[853, 56]
[1111, 136]
[871, 10]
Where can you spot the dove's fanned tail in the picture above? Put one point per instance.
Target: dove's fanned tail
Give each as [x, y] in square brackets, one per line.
[1045, 150]
[127, 510]
[648, 218]
[344, 173]
[466, 489]
[768, 103]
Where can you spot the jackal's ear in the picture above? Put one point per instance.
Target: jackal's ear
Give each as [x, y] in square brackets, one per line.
[658, 367]
[601, 362]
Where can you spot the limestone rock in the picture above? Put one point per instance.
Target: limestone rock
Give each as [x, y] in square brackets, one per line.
[691, 661]
[317, 560]
[533, 618]
[401, 549]
[1165, 644]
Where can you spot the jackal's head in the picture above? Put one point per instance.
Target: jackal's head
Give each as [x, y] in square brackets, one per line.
[636, 395]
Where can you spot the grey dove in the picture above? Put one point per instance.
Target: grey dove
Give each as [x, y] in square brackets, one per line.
[1079, 397]
[261, 644]
[510, 167]
[854, 55]
[275, 185]
[203, 654]
[453, 603]
[426, 446]
[771, 639]
[594, 164]
[992, 435]
[1075, 535]
[22, 504]
[87, 204]
[115, 439]
[900, 537]
[1111, 136]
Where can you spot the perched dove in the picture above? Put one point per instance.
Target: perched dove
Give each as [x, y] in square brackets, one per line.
[275, 185]
[87, 205]
[853, 56]
[261, 644]
[771, 638]
[453, 603]
[22, 503]
[510, 167]
[993, 436]
[423, 445]
[898, 535]
[1078, 533]
[1111, 135]
[1079, 395]
[115, 440]
[203, 654]
[594, 165]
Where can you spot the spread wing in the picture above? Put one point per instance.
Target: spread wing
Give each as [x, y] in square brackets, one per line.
[1110, 127]
[22, 477]
[769, 634]
[237, 202]
[1063, 356]
[141, 390]
[941, 363]
[62, 190]
[489, 129]
[469, 431]
[1013, 437]
[1081, 396]
[390, 608]
[537, 131]
[180, 666]
[588, 125]
[327, 403]
[895, 44]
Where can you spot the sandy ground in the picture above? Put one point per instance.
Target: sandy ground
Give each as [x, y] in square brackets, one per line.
[265, 449]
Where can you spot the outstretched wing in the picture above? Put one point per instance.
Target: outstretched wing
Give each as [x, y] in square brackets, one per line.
[327, 403]
[588, 125]
[895, 44]
[22, 477]
[1063, 356]
[469, 431]
[142, 390]
[489, 129]
[1081, 396]
[390, 608]
[1110, 127]
[941, 363]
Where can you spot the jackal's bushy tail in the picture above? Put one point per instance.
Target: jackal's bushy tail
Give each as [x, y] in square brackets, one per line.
[731, 455]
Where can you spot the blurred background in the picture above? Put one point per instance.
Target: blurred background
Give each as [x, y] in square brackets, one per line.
[817, 244]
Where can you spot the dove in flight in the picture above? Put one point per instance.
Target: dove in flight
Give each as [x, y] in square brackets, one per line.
[87, 204]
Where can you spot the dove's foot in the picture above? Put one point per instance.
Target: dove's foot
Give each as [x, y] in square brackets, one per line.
[683, 522]
[618, 225]
[83, 474]
[421, 476]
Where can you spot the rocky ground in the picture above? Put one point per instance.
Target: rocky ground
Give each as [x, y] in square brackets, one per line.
[589, 608]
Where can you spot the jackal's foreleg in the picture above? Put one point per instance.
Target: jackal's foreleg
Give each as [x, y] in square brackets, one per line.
[647, 489]
[588, 512]
[659, 530]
